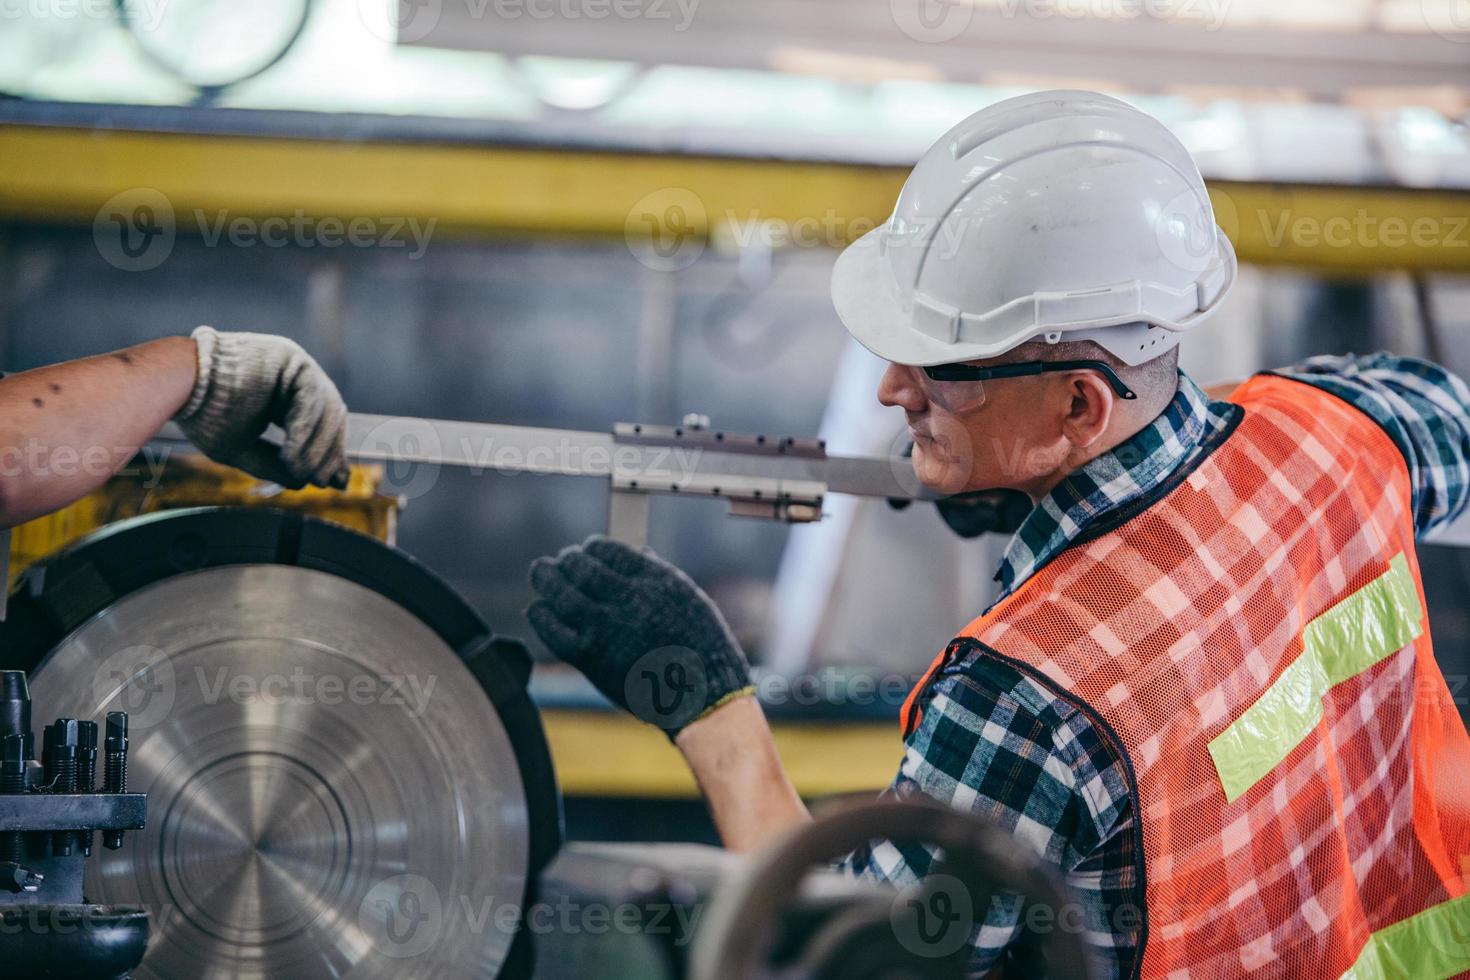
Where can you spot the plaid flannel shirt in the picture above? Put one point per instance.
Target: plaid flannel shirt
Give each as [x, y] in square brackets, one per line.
[995, 743]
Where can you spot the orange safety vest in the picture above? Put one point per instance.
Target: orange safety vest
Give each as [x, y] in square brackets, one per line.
[1254, 645]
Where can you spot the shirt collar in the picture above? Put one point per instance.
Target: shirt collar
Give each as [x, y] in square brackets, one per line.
[1123, 474]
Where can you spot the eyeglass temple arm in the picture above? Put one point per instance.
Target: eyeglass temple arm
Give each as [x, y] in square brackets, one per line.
[1116, 383]
[1044, 367]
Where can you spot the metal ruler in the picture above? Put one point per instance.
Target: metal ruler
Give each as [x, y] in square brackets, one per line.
[780, 478]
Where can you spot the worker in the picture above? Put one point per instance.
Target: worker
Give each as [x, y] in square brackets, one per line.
[69, 427]
[1206, 692]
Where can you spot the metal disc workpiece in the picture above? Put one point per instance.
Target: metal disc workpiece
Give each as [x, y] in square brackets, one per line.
[330, 791]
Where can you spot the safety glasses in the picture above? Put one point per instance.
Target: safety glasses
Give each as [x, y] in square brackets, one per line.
[961, 387]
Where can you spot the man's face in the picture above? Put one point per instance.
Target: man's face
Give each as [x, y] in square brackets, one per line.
[980, 435]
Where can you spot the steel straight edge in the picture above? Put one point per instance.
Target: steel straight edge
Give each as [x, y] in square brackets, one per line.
[487, 448]
[62, 174]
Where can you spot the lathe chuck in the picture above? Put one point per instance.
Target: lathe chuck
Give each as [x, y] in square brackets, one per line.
[344, 774]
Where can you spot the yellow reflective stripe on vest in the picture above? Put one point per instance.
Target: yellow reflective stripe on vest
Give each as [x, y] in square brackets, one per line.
[1374, 622]
[1429, 946]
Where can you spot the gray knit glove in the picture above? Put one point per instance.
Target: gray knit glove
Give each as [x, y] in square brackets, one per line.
[644, 634]
[248, 381]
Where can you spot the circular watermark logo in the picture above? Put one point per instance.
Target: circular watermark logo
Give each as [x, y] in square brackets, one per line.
[933, 917]
[665, 230]
[754, 337]
[901, 461]
[405, 442]
[403, 915]
[1187, 230]
[942, 458]
[932, 21]
[134, 231]
[139, 680]
[667, 687]
[400, 21]
[1450, 19]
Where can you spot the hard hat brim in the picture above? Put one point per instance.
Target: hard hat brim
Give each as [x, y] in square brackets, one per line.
[867, 303]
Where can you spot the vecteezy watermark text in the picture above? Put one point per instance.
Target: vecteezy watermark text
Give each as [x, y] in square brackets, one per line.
[405, 916]
[143, 15]
[1362, 229]
[36, 458]
[407, 21]
[413, 450]
[940, 21]
[306, 231]
[301, 687]
[136, 230]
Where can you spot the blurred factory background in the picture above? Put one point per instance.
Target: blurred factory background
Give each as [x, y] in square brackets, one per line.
[575, 213]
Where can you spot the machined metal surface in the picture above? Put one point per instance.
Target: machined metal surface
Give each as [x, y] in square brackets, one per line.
[330, 793]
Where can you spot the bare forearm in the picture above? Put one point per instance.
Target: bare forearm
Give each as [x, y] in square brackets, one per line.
[734, 759]
[65, 429]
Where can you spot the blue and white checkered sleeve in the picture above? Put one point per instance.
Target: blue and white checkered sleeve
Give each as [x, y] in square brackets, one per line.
[1424, 409]
[993, 743]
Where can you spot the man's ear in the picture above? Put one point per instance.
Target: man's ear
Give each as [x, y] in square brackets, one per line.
[1090, 410]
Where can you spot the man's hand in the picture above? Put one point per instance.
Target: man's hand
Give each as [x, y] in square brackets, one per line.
[248, 381]
[655, 644]
[640, 629]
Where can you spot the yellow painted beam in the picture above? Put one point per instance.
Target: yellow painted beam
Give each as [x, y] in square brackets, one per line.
[59, 174]
[600, 753]
[1344, 228]
[69, 174]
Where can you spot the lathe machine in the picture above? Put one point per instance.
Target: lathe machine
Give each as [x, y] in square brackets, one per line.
[344, 775]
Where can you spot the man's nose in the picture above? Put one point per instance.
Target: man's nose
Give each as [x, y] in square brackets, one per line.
[899, 387]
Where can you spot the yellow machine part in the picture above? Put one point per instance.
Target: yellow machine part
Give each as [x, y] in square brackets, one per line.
[193, 481]
[822, 759]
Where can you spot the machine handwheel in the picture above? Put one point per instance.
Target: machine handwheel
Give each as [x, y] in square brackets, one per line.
[922, 931]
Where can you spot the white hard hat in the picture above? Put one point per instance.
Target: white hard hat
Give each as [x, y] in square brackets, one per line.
[1057, 215]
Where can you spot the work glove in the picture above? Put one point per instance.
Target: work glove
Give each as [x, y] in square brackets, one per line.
[247, 382]
[641, 631]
